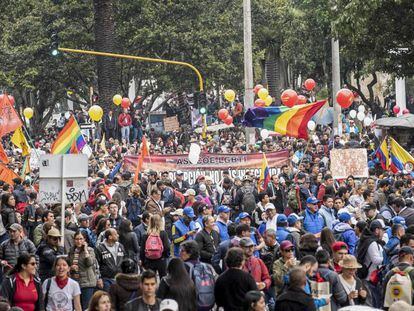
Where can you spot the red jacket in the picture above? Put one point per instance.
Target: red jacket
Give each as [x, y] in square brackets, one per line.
[124, 119]
[258, 270]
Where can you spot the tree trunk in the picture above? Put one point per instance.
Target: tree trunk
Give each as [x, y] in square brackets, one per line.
[105, 42]
[272, 71]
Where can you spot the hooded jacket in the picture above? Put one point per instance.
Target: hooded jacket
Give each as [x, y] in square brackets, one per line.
[126, 288]
[347, 235]
[295, 299]
[369, 255]
[109, 266]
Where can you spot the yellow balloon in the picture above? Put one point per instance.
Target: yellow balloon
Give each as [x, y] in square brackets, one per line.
[229, 95]
[28, 113]
[117, 99]
[96, 113]
[263, 93]
[268, 100]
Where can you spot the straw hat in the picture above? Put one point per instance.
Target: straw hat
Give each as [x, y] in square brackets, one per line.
[349, 262]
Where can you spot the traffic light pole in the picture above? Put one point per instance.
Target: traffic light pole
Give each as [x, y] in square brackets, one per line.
[140, 58]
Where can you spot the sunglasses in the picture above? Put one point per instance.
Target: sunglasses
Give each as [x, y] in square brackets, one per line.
[290, 250]
[32, 263]
[55, 238]
[342, 253]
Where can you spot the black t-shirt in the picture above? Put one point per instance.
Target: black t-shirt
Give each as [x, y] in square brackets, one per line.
[231, 288]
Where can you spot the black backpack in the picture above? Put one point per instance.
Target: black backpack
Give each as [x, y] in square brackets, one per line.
[248, 200]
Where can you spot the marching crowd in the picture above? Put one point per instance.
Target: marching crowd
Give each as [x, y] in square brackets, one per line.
[306, 242]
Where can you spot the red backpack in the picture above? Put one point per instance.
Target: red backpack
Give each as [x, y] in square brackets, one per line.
[153, 247]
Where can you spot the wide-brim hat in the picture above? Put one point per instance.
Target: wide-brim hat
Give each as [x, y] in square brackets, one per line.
[349, 262]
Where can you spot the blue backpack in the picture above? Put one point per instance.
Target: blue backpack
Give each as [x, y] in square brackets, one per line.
[204, 281]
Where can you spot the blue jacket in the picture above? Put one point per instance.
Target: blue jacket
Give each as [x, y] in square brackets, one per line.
[347, 235]
[313, 223]
[391, 249]
[219, 255]
[200, 221]
[281, 234]
[179, 230]
[91, 236]
[224, 235]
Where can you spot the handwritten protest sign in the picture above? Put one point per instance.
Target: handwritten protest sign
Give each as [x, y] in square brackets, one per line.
[345, 162]
[171, 124]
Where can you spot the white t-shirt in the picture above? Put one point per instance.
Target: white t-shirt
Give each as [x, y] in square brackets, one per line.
[61, 299]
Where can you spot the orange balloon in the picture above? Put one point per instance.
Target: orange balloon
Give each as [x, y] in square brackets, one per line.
[259, 103]
[257, 88]
[228, 120]
[344, 98]
[289, 98]
[310, 84]
[223, 113]
[302, 100]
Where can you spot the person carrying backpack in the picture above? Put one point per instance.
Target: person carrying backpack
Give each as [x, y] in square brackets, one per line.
[399, 281]
[246, 197]
[344, 232]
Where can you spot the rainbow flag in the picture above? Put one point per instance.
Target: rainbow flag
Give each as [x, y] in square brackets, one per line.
[284, 120]
[400, 158]
[69, 138]
[383, 155]
[264, 175]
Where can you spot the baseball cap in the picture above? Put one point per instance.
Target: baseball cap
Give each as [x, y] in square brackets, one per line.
[312, 200]
[244, 215]
[246, 242]
[405, 250]
[269, 206]
[377, 224]
[399, 220]
[16, 227]
[293, 218]
[179, 173]
[344, 217]
[338, 246]
[223, 209]
[286, 245]
[168, 305]
[190, 192]
[83, 217]
[188, 211]
[281, 219]
[178, 212]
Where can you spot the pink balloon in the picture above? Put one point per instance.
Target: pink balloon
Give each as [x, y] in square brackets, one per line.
[396, 109]
[406, 111]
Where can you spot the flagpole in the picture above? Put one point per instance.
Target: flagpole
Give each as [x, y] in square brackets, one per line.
[30, 140]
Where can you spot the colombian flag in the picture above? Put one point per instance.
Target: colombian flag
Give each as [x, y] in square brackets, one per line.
[383, 155]
[400, 159]
[264, 175]
[284, 120]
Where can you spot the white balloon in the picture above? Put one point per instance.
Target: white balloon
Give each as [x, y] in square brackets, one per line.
[367, 121]
[193, 158]
[264, 133]
[195, 149]
[361, 108]
[352, 114]
[311, 125]
[361, 116]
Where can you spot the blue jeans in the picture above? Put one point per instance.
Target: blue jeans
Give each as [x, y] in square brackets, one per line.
[86, 296]
[125, 133]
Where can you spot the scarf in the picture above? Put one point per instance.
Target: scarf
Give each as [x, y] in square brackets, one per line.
[61, 283]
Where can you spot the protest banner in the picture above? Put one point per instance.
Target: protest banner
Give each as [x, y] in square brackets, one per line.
[209, 164]
[345, 162]
[171, 124]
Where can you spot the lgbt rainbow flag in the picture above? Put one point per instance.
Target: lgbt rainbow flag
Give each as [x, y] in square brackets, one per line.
[284, 120]
[69, 139]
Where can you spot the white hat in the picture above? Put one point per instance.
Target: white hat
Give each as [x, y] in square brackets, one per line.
[168, 305]
[269, 206]
[202, 187]
[177, 212]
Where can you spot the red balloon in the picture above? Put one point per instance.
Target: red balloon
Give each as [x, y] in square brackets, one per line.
[302, 100]
[310, 84]
[125, 102]
[289, 98]
[396, 109]
[223, 113]
[344, 98]
[406, 111]
[257, 88]
[259, 103]
[11, 98]
[228, 120]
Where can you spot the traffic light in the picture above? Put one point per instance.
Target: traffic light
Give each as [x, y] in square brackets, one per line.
[54, 45]
[202, 103]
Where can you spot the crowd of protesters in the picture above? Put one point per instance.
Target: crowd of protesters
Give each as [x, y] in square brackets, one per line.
[165, 244]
